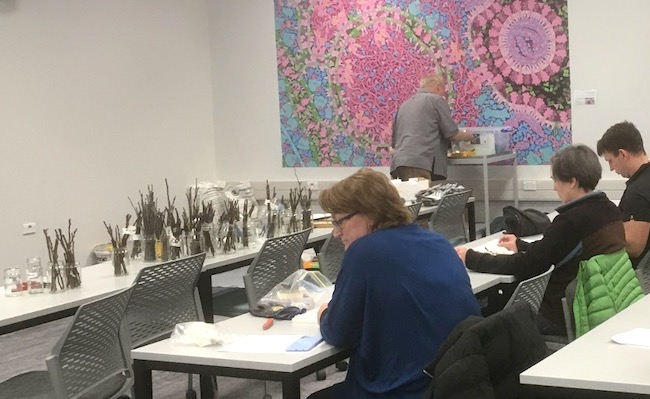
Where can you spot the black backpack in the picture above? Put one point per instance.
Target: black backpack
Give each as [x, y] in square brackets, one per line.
[526, 222]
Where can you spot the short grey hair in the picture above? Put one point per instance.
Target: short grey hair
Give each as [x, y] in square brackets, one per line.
[577, 162]
[434, 77]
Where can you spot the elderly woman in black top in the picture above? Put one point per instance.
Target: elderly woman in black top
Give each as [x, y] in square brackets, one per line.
[588, 224]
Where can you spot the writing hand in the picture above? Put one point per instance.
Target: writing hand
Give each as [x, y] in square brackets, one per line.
[508, 241]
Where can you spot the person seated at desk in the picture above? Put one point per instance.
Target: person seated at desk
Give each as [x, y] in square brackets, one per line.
[400, 291]
[587, 224]
[622, 147]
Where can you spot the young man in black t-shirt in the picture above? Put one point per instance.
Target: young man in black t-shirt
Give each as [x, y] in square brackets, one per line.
[622, 147]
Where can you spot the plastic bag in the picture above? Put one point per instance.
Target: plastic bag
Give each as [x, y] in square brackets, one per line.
[199, 333]
[302, 289]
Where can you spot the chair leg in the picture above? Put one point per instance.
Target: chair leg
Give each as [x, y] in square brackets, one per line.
[267, 395]
[190, 393]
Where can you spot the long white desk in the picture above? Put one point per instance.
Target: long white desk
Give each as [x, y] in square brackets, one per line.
[98, 281]
[593, 366]
[285, 367]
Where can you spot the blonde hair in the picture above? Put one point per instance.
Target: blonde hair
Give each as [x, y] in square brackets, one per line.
[369, 193]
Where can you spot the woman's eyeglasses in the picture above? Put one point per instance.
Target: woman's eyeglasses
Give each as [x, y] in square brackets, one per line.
[339, 222]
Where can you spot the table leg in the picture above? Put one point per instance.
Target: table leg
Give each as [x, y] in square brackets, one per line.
[486, 198]
[142, 380]
[291, 388]
[471, 220]
[207, 387]
[204, 286]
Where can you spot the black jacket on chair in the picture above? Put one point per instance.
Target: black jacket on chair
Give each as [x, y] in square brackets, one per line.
[483, 357]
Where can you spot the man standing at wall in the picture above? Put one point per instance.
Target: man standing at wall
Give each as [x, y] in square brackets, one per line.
[422, 129]
[622, 147]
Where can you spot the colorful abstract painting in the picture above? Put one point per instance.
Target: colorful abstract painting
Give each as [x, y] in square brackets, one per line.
[345, 66]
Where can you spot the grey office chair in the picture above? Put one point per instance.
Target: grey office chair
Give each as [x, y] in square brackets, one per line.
[91, 360]
[330, 257]
[447, 220]
[531, 290]
[415, 209]
[163, 296]
[277, 259]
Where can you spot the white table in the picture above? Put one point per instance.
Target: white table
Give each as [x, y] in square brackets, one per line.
[594, 363]
[484, 161]
[285, 367]
[98, 281]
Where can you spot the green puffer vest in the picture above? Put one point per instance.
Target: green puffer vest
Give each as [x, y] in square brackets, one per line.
[606, 284]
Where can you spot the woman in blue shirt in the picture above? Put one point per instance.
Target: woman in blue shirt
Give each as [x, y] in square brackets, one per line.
[400, 291]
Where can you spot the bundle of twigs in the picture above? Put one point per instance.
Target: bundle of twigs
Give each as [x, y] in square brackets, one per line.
[207, 217]
[148, 207]
[294, 199]
[305, 203]
[67, 244]
[57, 283]
[118, 241]
[173, 224]
[192, 220]
[245, 218]
[230, 216]
[270, 218]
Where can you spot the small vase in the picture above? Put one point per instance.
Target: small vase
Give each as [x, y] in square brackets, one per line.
[149, 247]
[207, 239]
[306, 219]
[175, 244]
[120, 261]
[35, 276]
[72, 273]
[193, 243]
[134, 246]
[55, 278]
[229, 237]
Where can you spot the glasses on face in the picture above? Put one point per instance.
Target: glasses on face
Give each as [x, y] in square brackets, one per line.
[339, 222]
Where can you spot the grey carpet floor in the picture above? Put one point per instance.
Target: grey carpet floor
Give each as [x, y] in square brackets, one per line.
[27, 349]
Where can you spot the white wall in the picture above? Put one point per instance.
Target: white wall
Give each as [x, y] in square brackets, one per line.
[97, 100]
[100, 98]
[608, 52]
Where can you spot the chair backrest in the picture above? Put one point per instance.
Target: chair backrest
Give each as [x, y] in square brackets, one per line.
[447, 220]
[92, 359]
[330, 257]
[531, 290]
[164, 295]
[414, 208]
[277, 259]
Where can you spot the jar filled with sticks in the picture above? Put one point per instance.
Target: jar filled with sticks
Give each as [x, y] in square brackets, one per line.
[72, 269]
[120, 254]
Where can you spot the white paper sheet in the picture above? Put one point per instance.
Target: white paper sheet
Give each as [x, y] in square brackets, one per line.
[637, 336]
[261, 344]
[493, 249]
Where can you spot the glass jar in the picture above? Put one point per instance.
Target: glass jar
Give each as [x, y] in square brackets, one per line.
[35, 276]
[207, 239]
[134, 246]
[121, 261]
[72, 272]
[148, 247]
[13, 282]
[193, 243]
[175, 243]
[55, 275]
